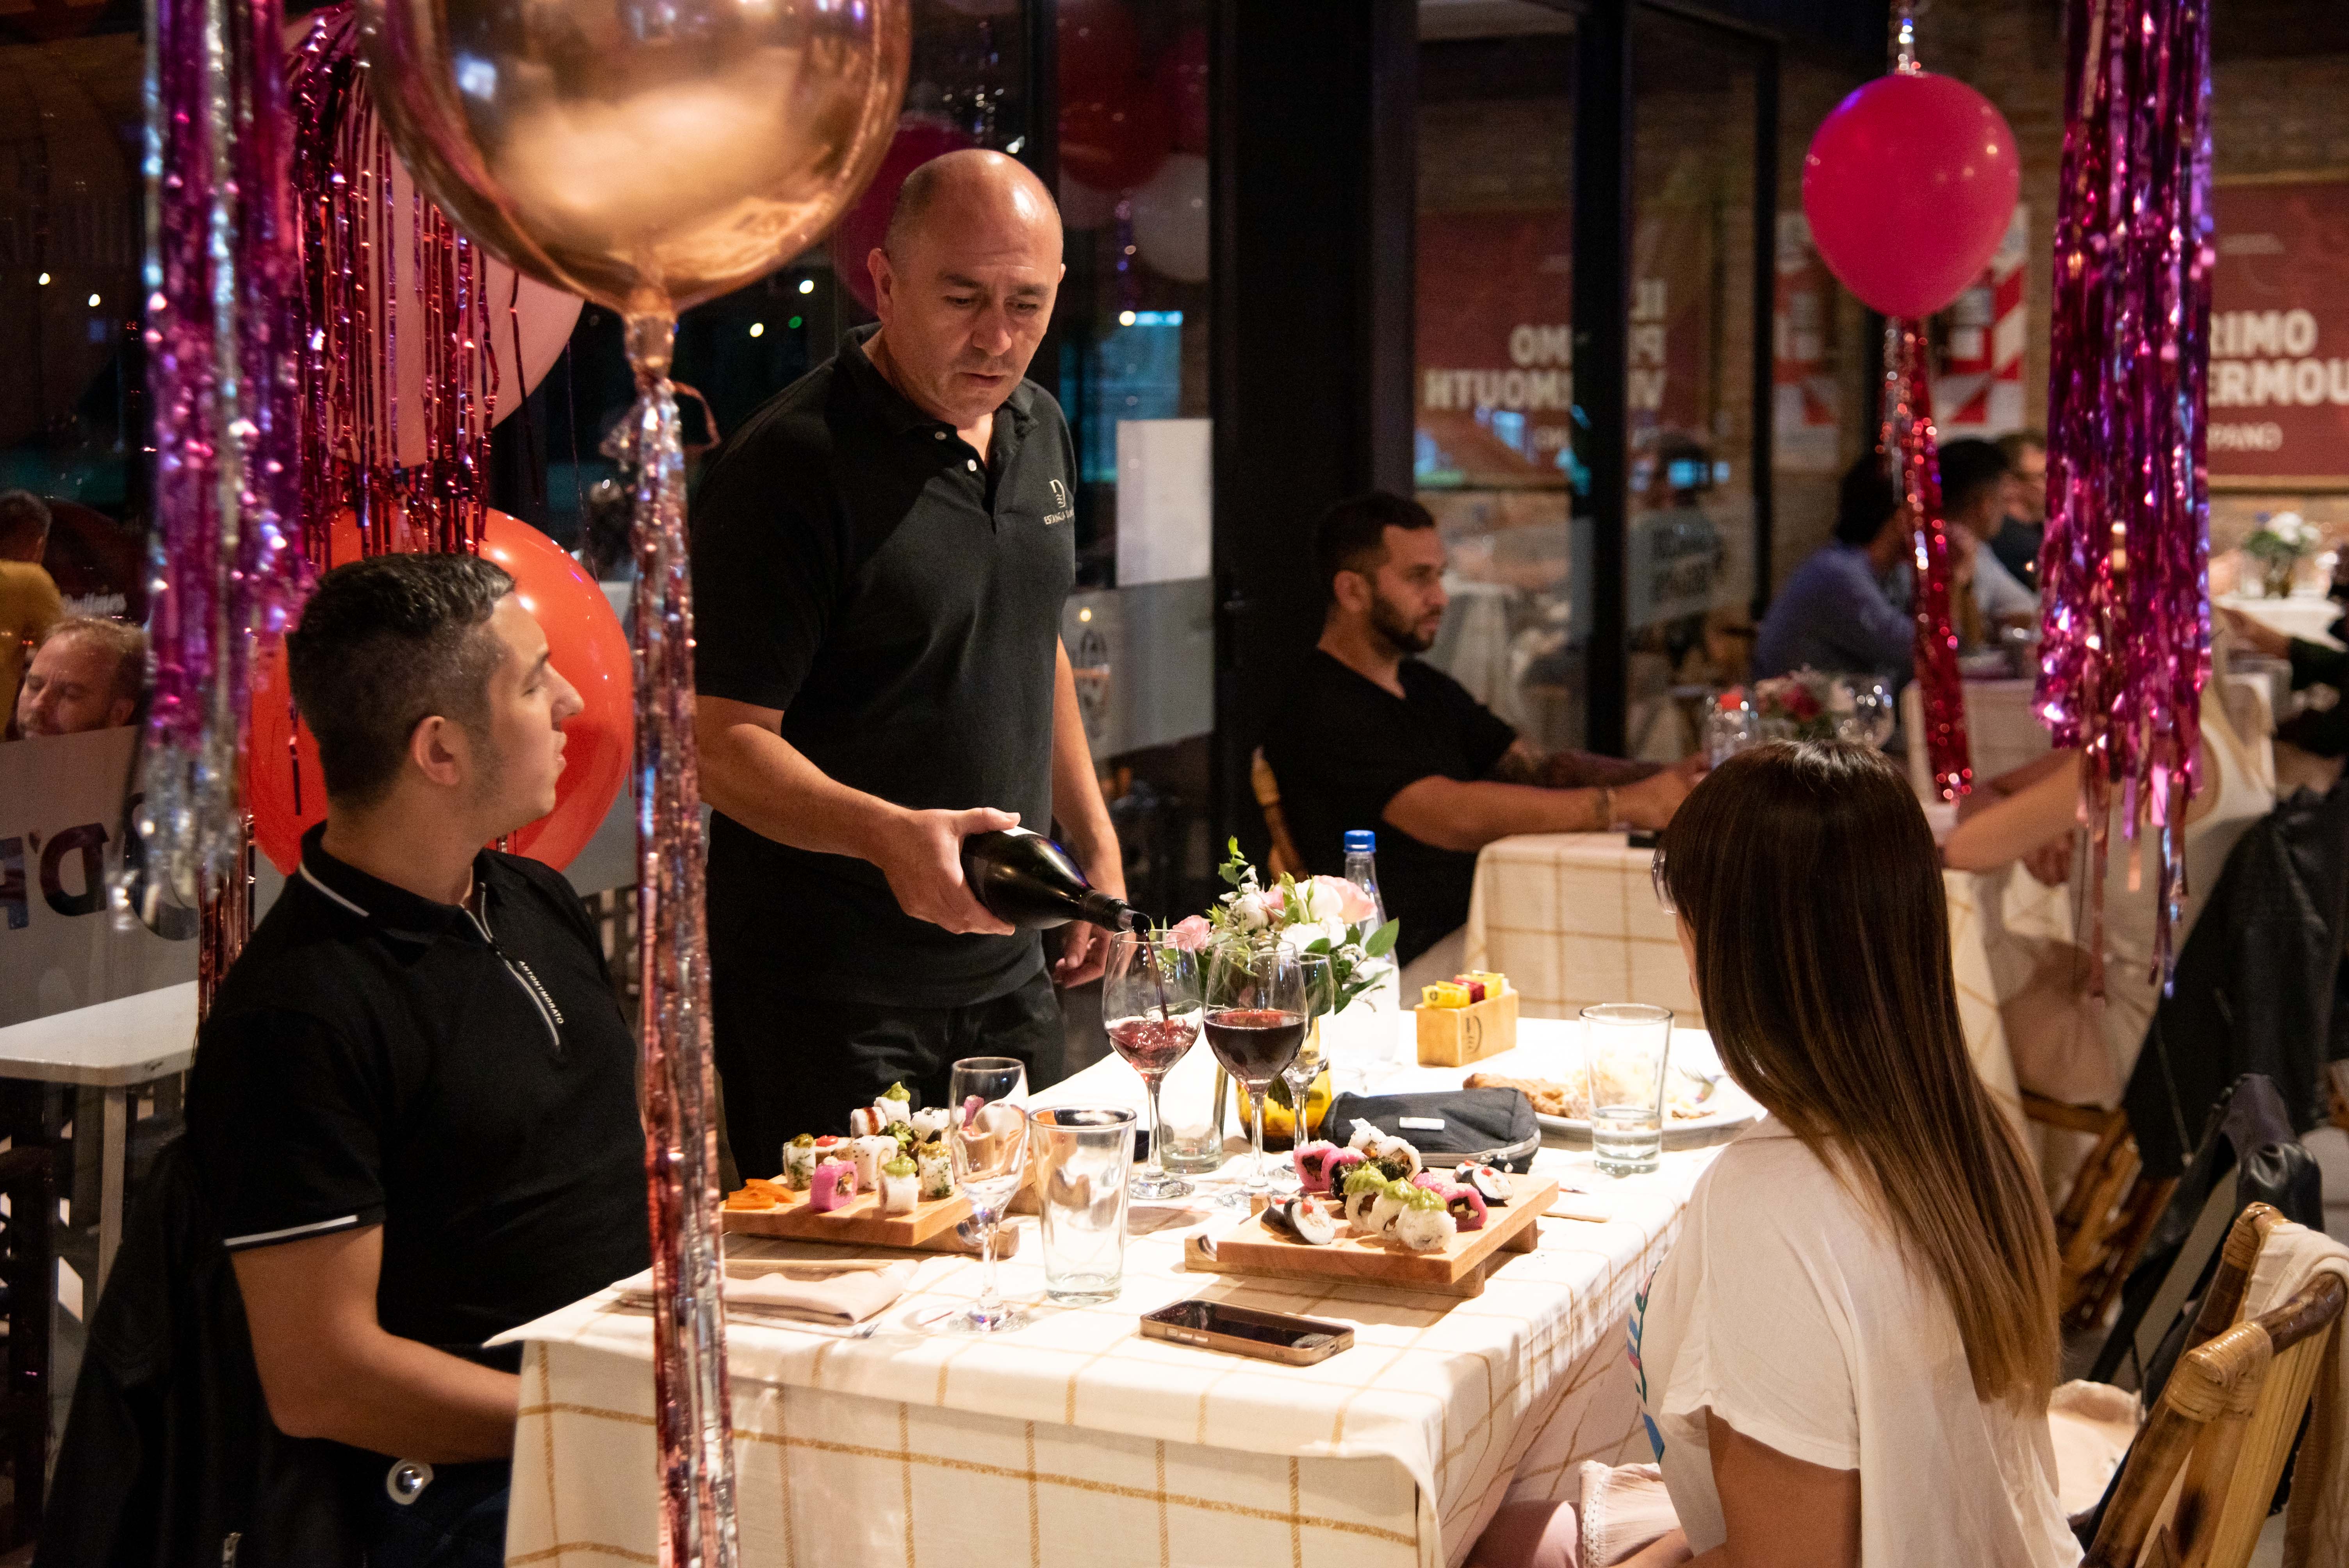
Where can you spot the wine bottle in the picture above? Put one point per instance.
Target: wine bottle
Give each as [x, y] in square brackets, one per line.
[1025, 879]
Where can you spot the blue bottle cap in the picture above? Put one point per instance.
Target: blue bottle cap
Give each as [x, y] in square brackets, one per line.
[1361, 841]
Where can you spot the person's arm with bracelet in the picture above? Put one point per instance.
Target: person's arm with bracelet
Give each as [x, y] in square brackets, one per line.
[1467, 814]
[329, 1369]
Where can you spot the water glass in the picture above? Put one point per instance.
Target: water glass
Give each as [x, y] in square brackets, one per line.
[1626, 1048]
[1082, 1159]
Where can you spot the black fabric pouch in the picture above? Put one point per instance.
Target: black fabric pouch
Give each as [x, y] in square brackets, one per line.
[1495, 1125]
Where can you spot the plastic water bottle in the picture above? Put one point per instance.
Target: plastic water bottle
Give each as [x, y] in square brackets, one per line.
[1363, 870]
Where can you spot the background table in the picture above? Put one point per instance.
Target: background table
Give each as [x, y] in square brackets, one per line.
[1075, 1442]
[1572, 920]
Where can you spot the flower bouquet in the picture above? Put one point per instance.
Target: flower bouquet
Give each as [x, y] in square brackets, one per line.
[1320, 914]
[2279, 544]
[1805, 705]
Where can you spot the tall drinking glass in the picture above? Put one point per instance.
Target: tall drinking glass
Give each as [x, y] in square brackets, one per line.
[1626, 1047]
[1321, 1002]
[1150, 1007]
[1256, 1023]
[1081, 1159]
[987, 1141]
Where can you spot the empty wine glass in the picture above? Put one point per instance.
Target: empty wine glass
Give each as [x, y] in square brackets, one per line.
[1873, 714]
[1321, 974]
[1150, 1008]
[1256, 1024]
[987, 1141]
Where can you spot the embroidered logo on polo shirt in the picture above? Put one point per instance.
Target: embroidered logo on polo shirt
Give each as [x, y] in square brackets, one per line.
[1062, 511]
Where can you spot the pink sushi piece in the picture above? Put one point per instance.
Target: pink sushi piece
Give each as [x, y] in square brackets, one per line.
[1312, 1164]
[834, 1184]
[1429, 1180]
[1466, 1203]
[1334, 1169]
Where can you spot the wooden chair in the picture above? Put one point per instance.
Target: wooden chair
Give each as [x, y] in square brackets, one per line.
[1284, 860]
[2103, 1221]
[2226, 1421]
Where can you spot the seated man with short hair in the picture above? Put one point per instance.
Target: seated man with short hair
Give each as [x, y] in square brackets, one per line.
[1369, 736]
[87, 673]
[1844, 610]
[413, 1110]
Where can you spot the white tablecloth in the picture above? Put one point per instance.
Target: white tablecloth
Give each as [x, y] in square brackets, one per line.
[1076, 1441]
[1572, 920]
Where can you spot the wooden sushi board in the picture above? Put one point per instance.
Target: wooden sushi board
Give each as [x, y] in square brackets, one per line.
[860, 1222]
[1456, 1268]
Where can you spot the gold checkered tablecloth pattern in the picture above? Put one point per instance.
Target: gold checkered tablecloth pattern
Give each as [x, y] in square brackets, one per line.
[1076, 1441]
[1572, 920]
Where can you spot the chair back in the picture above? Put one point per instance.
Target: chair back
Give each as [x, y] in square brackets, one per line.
[1284, 859]
[2225, 1425]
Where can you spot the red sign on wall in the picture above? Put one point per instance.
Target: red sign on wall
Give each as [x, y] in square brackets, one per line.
[2280, 336]
[1495, 394]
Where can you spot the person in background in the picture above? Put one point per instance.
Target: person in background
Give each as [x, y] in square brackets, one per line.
[2320, 731]
[29, 604]
[1369, 735]
[1846, 1356]
[1974, 499]
[1844, 610]
[2024, 526]
[413, 1111]
[880, 559]
[89, 672]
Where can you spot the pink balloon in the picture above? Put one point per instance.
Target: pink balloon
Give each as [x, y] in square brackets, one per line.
[1909, 186]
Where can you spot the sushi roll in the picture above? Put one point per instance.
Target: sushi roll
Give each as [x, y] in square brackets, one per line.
[834, 1184]
[1421, 1220]
[927, 1124]
[1391, 1205]
[870, 1153]
[1304, 1218]
[901, 1186]
[1339, 1162]
[799, 1162]
[1364, 1184]
[1429, 1179]
[864, 1122]
[1398, 1158]
[1489, 1183]
[936, 1173]
[1364, 1136]
[1312, 1164]
[1464, 1203]
[896, 1104]
[830, 1148]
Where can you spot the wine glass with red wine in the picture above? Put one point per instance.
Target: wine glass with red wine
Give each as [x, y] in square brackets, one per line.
[1256, 1022]
[1150, 1006]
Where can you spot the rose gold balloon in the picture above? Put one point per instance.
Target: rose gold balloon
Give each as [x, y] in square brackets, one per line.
[644, 153]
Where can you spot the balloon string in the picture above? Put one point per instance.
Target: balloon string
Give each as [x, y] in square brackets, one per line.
[693, 1422]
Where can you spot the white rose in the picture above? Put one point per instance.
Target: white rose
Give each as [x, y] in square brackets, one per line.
[1321, 901]
[1249, 912]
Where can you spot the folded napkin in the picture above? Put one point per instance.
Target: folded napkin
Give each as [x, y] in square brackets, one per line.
[812, 1290]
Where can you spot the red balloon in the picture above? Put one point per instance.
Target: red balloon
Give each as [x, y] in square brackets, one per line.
[1182, 78]
[287, 792]
[1909, 186]
[919, 139]
[1115, 126]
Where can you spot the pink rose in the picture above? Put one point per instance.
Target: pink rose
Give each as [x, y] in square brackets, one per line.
[1191, 934]
[1353, 904]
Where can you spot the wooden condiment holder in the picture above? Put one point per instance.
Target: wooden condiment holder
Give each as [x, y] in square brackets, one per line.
[1454, 1036]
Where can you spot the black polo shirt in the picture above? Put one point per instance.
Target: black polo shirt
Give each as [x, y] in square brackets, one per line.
[465, 1081]
[858, 567]
[1342, 746]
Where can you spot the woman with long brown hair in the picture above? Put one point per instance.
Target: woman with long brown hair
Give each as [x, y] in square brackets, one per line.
[1846, 1356]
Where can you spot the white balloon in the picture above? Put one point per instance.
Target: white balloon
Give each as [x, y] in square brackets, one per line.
[1170, 219]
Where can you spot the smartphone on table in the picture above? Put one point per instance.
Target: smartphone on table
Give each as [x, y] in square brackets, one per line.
[1244, 1331]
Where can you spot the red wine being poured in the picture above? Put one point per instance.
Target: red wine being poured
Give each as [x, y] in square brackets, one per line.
[1152, 1046]
[1255, 1043]
[1028, 881]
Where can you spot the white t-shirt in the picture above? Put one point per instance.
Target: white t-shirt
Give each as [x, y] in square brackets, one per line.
[1786, 1309]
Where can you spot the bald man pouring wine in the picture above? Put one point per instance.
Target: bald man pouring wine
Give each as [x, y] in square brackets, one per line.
[880, 556]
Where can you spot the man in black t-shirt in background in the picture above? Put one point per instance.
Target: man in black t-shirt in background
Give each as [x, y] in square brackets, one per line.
[1369, 736]
[413, 1108]
[880, 555]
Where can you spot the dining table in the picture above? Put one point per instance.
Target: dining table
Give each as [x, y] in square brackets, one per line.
[1076, 1440]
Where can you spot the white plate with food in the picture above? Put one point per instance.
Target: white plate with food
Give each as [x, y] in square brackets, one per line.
[1698, 1096]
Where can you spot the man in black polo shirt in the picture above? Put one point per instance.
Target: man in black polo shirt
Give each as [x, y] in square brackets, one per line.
[1369, 736]
[879, 559]
[413, 1108]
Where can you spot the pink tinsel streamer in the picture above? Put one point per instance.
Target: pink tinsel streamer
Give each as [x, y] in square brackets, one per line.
[2124, 569]
[1911, 449]
[221, 336]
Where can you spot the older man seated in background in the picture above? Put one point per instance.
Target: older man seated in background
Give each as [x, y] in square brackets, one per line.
[1974, 491]
[1845, 608]
[89, 673]
[1369, 735]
